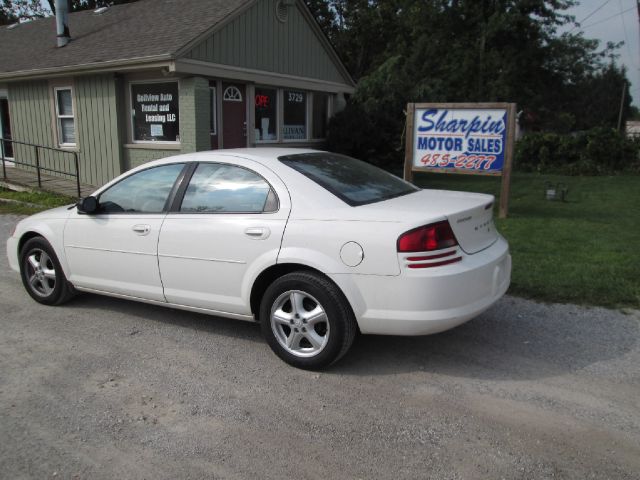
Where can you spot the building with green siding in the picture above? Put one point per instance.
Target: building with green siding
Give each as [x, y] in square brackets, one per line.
[153, 78]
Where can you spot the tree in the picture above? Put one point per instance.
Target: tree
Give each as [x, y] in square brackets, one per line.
[12, 11]
[467, 51]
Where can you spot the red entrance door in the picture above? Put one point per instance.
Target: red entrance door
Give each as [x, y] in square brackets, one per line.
[234, 116]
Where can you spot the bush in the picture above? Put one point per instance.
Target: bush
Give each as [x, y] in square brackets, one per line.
[599, 151]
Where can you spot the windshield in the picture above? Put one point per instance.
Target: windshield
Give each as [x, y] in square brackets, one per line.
[353, 181]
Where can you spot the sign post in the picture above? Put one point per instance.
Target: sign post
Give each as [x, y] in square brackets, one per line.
[467, 138]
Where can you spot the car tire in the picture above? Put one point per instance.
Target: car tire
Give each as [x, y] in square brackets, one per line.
[306, 320]
[42, 275]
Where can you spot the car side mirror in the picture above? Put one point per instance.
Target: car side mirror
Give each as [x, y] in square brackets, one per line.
[88, 205]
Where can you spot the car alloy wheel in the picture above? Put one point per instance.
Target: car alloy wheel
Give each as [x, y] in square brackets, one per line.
[41, 273]
[300, 324]
[306, 320]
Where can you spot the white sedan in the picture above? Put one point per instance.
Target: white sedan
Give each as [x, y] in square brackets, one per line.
[313, 245]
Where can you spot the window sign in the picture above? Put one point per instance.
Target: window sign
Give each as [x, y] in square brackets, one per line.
[295, 115]
[266, 108]
[155, 112]
[320, 115]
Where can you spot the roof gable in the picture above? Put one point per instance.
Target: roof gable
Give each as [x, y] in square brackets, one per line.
[257, 39]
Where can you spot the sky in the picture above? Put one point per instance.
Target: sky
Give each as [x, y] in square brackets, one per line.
[614, 21]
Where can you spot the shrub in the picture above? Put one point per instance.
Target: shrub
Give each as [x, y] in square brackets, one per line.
[599, 151]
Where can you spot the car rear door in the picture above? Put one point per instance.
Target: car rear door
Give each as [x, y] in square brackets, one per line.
[115, 249]
[225, 227]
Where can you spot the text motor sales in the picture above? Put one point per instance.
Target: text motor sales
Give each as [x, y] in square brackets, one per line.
[460, 139]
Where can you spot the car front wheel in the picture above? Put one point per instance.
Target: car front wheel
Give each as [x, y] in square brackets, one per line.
[306, 320]
[42, 274]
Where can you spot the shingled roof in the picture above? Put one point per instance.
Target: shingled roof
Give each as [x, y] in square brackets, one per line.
[144, 31]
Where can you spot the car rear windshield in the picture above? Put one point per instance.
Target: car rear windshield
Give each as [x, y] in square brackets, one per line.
[353, 181]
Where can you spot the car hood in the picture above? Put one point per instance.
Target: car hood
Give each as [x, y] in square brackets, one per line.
[58, 212]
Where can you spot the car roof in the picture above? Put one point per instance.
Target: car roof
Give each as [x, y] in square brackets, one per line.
[264, 155]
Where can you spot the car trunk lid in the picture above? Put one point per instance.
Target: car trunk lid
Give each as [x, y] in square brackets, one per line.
[469, 214]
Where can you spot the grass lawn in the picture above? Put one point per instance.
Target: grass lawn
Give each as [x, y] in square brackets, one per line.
[44, 200]
[583, 251]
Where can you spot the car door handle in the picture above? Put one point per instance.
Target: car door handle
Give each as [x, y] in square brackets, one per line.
[141, 229]
[257, 233]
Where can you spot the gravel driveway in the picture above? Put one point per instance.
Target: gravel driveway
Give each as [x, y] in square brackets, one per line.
[105, 388]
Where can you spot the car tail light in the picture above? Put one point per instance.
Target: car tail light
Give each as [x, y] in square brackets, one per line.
[428, 238]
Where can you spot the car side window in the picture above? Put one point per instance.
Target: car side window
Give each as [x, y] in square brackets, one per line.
[220, 188]
[143, 192]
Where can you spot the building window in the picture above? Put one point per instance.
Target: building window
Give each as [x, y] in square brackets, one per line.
[266, 113]
[294, 126]
[320, 115]
[154, 108]
[232, 94]
[66, 123]
[213, 124]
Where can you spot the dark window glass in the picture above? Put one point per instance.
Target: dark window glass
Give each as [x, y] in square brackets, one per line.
[295, 115]
[155, 112]
[143, 192]
[5, 129]
[353, 181]
[266, 106]
[320, 115]
[218, 188]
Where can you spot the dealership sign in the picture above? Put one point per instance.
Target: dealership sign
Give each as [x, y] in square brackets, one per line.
[461, 138]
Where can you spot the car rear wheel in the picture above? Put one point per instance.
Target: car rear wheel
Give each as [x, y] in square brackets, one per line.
[41, 273]
[306, 320]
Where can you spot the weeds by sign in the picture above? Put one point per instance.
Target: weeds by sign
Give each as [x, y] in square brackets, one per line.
[475, 138]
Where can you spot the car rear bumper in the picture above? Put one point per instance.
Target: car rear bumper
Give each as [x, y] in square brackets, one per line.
[431, 300]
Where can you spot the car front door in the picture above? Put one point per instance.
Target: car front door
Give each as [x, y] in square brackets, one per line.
[114, 250]
[227, 228]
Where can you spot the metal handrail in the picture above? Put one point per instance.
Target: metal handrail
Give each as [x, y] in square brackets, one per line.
[38, 167]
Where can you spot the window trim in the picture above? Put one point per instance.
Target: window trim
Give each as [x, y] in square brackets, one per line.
[131, 116]
[58, 116]
[279, 113]
[176, 204]
[213, 100]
